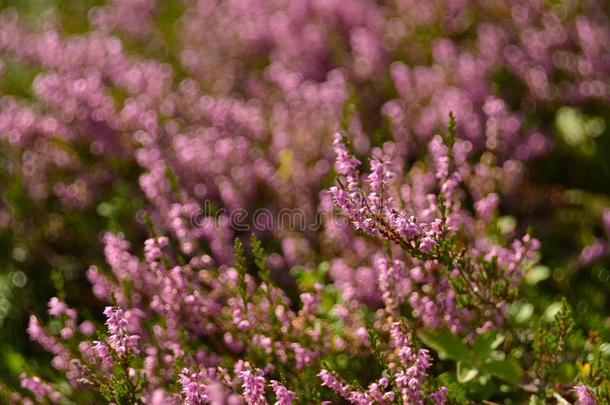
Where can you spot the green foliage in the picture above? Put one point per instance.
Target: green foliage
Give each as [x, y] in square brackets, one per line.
[240, 266]
[480, 358]
[260, 260]
[122, 389]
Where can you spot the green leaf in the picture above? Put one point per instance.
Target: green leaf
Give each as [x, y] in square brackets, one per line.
[240, 266]
[446, 344]
[466, 372]
[507, 370]
[537, 274]
[14, 361]
[552, 310]
[523, 311]
[485, 343]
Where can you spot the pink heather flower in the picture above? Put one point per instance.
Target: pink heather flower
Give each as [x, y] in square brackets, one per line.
[253, 383]
[426, 244]
[593, 252]
[56, 307]
[40, 389]
[439, 155]
[263, 342]
[66, 333]
[407, 227]
[329, 380]
[379, 176]
[282, 394]
[303, 356]
[398, 338]
[439, 397]
[374, 393]
[87, 328]
[413, 372]
[486, 206]
[584, 394]
[153, 248]
[119, 340]
[310, 301]
[38, 334]
[346, 165]
[103, 353]
[193, 391]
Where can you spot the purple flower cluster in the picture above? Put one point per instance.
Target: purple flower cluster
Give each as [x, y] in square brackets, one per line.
[408, 375]
[40, 389]
[192, 301]
[119, 341]
[423, 217]
[584, 395]
[254, 386]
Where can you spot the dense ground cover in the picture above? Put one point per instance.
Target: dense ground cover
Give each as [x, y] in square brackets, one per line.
[273, 201]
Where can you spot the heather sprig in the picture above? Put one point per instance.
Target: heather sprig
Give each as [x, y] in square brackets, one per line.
[477, 280]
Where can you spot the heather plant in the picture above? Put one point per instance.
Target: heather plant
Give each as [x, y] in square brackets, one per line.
[304, 201]
[183, 329]
[447, 262]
